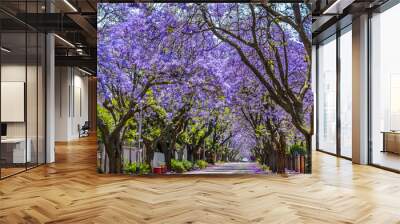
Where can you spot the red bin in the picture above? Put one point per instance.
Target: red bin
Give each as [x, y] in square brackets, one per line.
[157, 170]
[164, 169]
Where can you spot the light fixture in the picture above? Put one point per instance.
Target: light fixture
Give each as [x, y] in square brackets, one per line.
[80, 51]
[84, 71]
[64, 40]
[337, 7]
[5, 50]
[70, 5]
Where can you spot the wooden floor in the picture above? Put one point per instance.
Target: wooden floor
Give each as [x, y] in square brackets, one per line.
[70, 191]
[387, 159]
[5, 172]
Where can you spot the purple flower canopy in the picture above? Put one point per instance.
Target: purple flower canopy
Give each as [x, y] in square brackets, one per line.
[174, 49]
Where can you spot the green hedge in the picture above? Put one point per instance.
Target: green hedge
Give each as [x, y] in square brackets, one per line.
[131, 168]
[177, 166]
[298, 149]
[185, 165]
[201, 164]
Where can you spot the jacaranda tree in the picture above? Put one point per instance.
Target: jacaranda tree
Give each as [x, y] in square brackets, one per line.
[195, 75]
[274, 42]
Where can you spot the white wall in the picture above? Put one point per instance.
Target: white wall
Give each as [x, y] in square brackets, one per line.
[33, 126]
[14, 72]
[17, 73]
[62, 81]
[80, 110]
[71, 102]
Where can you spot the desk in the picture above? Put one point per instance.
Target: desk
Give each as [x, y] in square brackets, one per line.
[391, 141]
[13, 150]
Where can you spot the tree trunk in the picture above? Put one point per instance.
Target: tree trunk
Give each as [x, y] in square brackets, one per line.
[115, 164]
[281, 161]
[265, 159]
[196, 153]
[149, 152]
[190, 153]
[180, 154]
[308, 159]
[113, 149]
[111, 164]
[273, 161]
[149, 156]
[167, 154]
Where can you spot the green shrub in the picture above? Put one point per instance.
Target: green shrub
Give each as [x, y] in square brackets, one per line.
[202, 164]
[187, 164]
[265, 167]
[297, 149]
[177, 166]
[144, 168]
[130, 167]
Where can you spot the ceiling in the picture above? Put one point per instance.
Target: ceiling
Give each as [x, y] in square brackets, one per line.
[332, 15]
[73, 21]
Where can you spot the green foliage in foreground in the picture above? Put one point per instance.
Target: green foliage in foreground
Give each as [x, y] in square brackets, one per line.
[131, 168]
[201, 164]
[177, 166]
[144, 168]
[187, 164]
[265, 167]
[298, 149]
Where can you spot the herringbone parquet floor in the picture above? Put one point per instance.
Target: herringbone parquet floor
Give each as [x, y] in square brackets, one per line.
[70, 191]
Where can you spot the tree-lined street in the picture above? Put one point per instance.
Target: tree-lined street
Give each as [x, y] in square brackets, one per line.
[205, 83]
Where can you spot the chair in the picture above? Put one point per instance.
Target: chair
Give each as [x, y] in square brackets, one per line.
[84, 130]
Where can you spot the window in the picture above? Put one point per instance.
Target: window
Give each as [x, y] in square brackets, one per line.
[22, 77]
[327, 96]
[346, 93]
[385, 89]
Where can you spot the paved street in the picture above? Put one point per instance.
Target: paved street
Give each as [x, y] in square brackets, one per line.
[231, 168]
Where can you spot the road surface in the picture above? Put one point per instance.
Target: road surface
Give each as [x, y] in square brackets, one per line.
[231, 168]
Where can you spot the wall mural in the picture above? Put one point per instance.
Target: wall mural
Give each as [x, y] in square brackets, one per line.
[204, 88]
